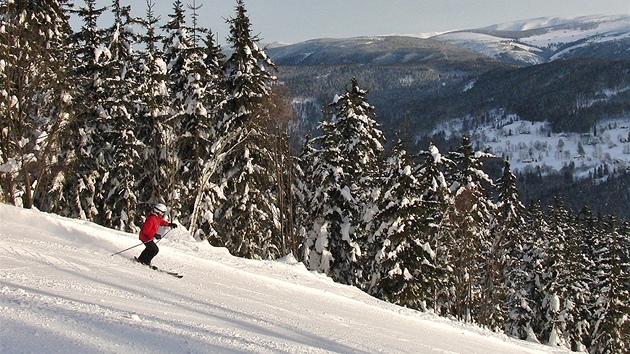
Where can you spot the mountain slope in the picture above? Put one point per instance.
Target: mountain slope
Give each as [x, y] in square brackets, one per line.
[572, 95]
[397, 70]
[380, 50]
[61, 291]
[541, 40]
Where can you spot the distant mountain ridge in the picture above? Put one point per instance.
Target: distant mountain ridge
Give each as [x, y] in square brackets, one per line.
[379, 50]
[526, 42]
[409, 76]
[541, 40]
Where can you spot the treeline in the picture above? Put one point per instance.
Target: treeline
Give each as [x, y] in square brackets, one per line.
[95, 128]
[102, 123]
[434, 232]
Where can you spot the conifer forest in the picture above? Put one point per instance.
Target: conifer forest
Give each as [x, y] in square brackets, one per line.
[101, 123]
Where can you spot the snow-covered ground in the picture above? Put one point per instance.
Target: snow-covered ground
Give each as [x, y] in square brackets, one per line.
[61, 291]
[531, 145]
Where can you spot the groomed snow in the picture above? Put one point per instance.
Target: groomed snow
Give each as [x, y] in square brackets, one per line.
[61, 291]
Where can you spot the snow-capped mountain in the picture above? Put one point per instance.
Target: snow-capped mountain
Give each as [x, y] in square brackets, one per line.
[541, 40]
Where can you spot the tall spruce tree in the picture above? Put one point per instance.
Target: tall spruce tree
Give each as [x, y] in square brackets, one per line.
[152, 100]
[201, 216]
[191, 85]
[437, 200]
[34, 101]
[345, 174]
[470, 241]
[578, 306]
[506, 250]
[245, 217]
[118, 118]
[177, 45]
[524, 277]
[397, 269]
[611, 290]
[554, 284]
[84, 146]
[412, 205]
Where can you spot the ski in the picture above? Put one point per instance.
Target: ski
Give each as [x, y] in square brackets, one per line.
[174, 274]
[167, 272]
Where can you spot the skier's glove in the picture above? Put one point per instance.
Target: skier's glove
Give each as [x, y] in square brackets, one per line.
[158, 236]
[172, 225]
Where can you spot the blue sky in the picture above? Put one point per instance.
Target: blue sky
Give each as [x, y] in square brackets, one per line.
[294, 21]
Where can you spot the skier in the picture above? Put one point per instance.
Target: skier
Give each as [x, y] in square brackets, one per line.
[149, 233]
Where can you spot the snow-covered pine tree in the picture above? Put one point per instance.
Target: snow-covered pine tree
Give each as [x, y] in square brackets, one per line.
[152, 100]
[246, 216]
[191, 84]
[345, 174]
[34, 101]
[202, 215]
[406, 270]
[310, 195]
[321, 191]
[434, 224]
[304, 190]
[392, 257]
[580, 271]
[118, 118]
[611, 289]
[524, 292]
[506, 250]
[177, 45]
[84, 146]
[470, 240]
[554, 285]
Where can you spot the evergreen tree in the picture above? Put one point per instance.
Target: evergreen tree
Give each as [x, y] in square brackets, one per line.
[524, 277]
[470, 240]
[177, 44]
[201, 217]
[579, 273]
[118, 118]
[413, 205]
[506, 250]
[84, 146]
[304, 190]
[345, 175]
[152, 100]
[321, 199]
[246, 216]
[554, 284]
[611, 287]
[34, 101]
[398, 265]
[192, 84]
[434, 223]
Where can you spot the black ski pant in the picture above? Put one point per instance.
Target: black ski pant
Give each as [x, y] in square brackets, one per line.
[150, 250]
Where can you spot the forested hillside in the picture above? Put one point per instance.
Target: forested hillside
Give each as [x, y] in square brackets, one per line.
[417, 94]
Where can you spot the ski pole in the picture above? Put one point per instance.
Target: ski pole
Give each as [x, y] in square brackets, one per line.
[127, 249]
[142, 243]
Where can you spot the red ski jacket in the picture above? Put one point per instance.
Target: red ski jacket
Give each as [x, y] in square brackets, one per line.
[151, 226]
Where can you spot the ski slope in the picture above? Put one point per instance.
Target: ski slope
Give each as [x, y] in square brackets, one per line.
[61, 291]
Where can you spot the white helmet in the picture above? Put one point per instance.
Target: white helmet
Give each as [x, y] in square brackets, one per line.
[159, 208]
